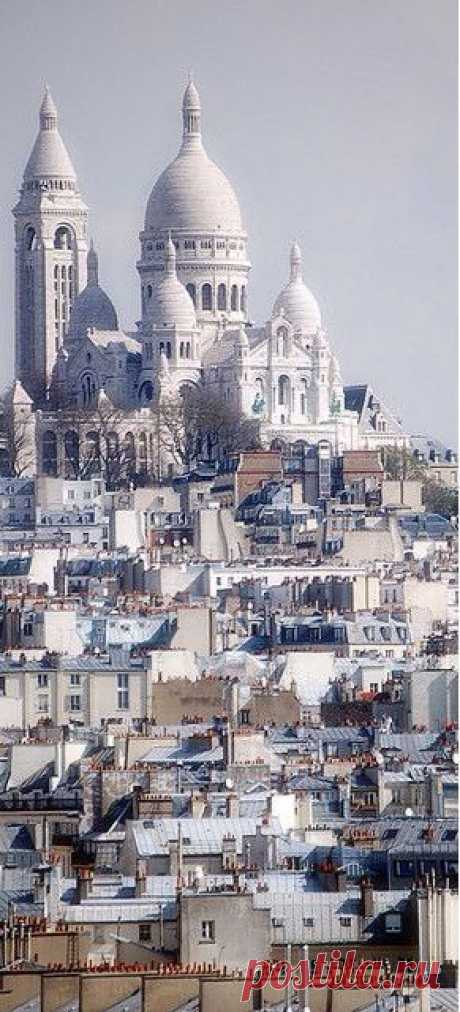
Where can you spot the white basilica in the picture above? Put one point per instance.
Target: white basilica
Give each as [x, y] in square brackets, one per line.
[195, 326]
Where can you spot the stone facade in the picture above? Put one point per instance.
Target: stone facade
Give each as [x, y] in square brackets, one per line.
[194, 331]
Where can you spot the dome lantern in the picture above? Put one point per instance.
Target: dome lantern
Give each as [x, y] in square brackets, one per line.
[48, 113]
[191, 111]
[296, 262]
[92, 266]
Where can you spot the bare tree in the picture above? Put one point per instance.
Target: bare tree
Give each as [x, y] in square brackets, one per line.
[17, 436]
[94, 444]
[437, 498]
[196, 425]
[401, 463]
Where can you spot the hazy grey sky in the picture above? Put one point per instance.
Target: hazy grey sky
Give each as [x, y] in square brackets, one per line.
[336, 123]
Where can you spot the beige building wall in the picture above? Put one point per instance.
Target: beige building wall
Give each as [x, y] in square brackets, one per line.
[174, 663]
[195, 630]
[59, 632]
[402, 493]
[427, 594]
[234, 922]
[373, 544]
[127, 530]
[366, 592]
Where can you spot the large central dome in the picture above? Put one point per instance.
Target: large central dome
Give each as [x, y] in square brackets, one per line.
[192, 194]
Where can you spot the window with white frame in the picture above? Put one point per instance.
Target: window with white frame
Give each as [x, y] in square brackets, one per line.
[208, 931]
[123, 690]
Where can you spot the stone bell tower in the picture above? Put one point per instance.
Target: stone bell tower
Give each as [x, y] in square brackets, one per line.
[51, 247]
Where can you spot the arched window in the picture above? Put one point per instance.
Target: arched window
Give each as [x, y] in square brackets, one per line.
[129, 453]
[278, 444]
[92, 454]
[88, 389]
[113, 445]
[30, 238]
[146, 392]
[149, 291]
[187, 350]
[168, 349]
[72, 453]
[222, 297]
[259, 398]
[283, 391]
[299, 449]
[281, 342]
[49, 453]
[303, 397]
[206, 297]
[192, 292]
[142, 453]
[243, 299]
[181, 349]
[234, 299]
[63, 237]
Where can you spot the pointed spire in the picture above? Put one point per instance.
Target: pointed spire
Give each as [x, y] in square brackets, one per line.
[92, 266]
[49, 158]
[296, 262]
[191, 110]
[48, 112]
[170, 258]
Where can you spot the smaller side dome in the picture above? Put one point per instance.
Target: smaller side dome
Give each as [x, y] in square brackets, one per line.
[171, 303]
[296, 301]
[92, 307]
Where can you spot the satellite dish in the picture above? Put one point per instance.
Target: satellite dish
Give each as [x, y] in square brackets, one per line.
[229, 783]
[408, 812]
[379, 758]
[455, 758]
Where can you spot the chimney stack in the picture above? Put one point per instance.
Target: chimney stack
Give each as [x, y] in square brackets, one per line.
[141, 879]
[367, 898]
[233, 806]
[84, 883]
